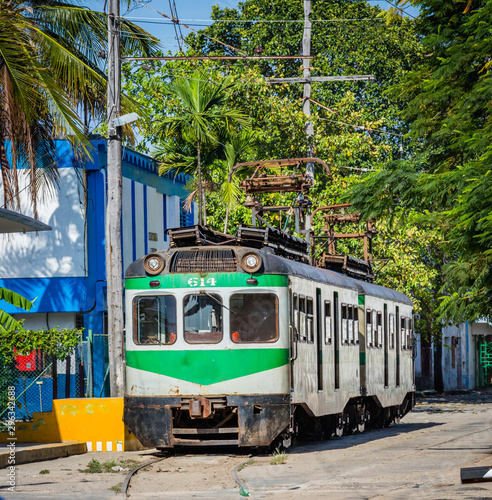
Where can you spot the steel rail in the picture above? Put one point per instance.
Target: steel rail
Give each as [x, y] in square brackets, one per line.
[126, 483]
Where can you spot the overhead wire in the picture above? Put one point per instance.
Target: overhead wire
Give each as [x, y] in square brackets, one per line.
[192, 29]
[177, 25]
[401, 9]
[238, 21]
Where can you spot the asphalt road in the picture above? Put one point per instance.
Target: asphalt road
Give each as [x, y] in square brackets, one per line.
[419, 458]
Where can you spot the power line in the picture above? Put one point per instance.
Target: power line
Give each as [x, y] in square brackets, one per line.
[177, 26]
[177, 21]
[362, 127]
[238, 21]
[400, 9]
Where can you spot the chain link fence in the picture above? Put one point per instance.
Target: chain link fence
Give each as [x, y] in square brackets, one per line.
[37, 379]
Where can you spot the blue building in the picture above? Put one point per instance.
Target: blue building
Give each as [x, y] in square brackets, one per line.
[63, 270]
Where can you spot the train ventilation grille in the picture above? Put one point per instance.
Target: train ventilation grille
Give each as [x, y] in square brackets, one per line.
[204, 261]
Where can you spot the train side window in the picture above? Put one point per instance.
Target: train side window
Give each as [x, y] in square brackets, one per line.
[254, 317]
[344, 324]
[369, 330]
[202, 318]
[392, 331]
[380, 330]
[295, 313]
[407, 333]
[309, 320]
[403, 333]
[302, 318]
[356, 325]
[350, 324]
[154, 320]
[374, 329]
[327, 322]
[410, 333]
[402, 330]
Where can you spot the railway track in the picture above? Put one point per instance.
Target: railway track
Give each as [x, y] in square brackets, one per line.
[227, 469]
[406, 449]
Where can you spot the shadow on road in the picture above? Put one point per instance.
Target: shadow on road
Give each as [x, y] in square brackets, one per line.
[345, 442]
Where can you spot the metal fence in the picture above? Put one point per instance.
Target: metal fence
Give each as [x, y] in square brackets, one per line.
[38, 379]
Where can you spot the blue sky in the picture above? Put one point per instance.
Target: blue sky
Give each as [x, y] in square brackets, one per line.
[193, 12]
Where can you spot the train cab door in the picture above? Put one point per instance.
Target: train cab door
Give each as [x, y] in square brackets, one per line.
[298, 347]
[293, 333]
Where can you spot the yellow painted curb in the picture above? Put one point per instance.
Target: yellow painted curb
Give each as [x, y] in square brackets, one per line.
[96, 422]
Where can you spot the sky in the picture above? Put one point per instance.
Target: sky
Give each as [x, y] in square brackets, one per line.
[192, 12]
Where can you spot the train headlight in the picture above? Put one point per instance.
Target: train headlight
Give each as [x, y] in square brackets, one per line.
[251, 262]
[154, 264]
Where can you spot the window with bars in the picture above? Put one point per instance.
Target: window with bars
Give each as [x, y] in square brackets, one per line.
[369, 329]
[328, 334]
[309, 320]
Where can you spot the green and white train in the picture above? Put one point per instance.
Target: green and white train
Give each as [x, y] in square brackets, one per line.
[230, 345]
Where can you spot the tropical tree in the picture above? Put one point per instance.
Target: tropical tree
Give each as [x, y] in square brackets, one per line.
[447, 182]
[8, 322]
[203, 113]
[236, 148]
[51, 70]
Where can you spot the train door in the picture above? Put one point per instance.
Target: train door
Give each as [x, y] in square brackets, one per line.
[386, 346]
[336, 339]
[398, 344]
[293, 334]
[362, 342]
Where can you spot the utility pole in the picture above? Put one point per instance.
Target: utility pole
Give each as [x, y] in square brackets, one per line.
[306, 73]
[114, 278]
[306, 80]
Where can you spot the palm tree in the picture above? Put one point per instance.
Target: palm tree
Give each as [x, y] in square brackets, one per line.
[50, 67]
[204, 112]
[7, 322]
[236, 148]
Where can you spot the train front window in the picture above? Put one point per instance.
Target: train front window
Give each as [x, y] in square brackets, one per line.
[254, 317]
[202, 318]
[154, 320]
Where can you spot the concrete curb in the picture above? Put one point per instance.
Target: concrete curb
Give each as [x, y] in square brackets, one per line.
[39, 453]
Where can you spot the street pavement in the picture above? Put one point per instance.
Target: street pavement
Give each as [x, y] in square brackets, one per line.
[419, 458]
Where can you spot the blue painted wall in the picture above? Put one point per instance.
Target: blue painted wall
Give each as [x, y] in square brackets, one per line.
[86, 294]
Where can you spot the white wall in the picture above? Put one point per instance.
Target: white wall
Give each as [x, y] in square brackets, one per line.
[173, 212]
[56, 253]
[155, 219]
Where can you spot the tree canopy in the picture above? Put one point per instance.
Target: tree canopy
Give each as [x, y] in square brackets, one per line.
[51, 72]
[447, 180]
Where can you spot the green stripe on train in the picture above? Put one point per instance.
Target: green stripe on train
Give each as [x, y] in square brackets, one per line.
[207, 367]
[206, 280]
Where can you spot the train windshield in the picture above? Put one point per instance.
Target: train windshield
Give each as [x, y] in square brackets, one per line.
[154, 320]
[202, 318]
[254, 317]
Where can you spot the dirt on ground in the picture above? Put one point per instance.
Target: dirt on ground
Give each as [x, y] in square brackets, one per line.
[420, 458]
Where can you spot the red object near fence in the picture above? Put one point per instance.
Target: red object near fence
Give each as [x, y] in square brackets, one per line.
[26, 363]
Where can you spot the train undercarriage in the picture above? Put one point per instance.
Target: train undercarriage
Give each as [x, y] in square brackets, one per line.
[248, 420]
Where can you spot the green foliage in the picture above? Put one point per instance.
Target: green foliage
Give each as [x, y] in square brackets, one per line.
[203, 121]
[49, 70]
[96, 467]
[93, 467]
[7, 322]
[116, 488]
[448, 180]
[53, 342]
[278, 457]
[357, 128]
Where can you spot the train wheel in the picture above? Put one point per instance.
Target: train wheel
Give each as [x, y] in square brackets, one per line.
[340, 425]
[361, 418]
